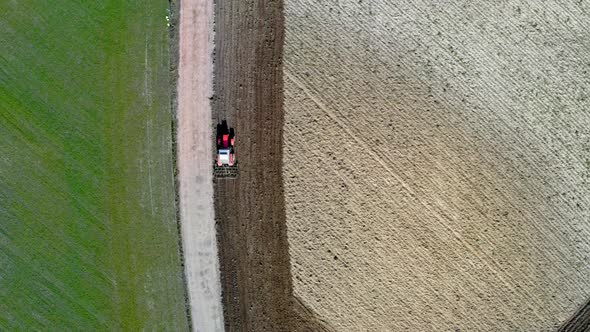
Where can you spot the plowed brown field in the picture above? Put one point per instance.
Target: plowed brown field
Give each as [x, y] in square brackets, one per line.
[436, 163]
[250, 210]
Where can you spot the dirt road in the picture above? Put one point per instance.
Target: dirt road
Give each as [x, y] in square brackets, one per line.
[194, 165]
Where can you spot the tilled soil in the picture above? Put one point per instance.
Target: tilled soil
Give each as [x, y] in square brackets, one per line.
[250, 210]
[437, 163]
[580, 321]
[436, 172]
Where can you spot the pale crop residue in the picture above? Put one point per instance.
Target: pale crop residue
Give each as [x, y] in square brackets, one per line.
[434, 157]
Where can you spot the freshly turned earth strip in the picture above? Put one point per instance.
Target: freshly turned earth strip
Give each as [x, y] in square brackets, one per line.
[195, 165]
[250, 209]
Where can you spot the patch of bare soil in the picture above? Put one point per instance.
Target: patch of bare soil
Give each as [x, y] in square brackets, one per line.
[580, 321]
[250, 209]
[436, 163]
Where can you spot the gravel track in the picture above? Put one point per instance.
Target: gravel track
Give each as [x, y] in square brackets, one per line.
[195, 162]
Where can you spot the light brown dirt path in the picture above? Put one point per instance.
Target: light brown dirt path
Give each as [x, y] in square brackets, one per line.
[195, 165]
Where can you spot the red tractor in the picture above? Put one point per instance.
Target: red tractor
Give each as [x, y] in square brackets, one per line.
[225, 145]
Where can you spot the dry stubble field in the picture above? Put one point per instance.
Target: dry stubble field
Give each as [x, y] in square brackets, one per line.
[436, 163]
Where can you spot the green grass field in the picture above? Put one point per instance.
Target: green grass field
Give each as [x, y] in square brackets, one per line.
[88, 237]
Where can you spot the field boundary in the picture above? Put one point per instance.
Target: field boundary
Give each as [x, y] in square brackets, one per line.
[257, 288]
[580, 321]
[306, 320]
[194, 148]
[173, 33]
